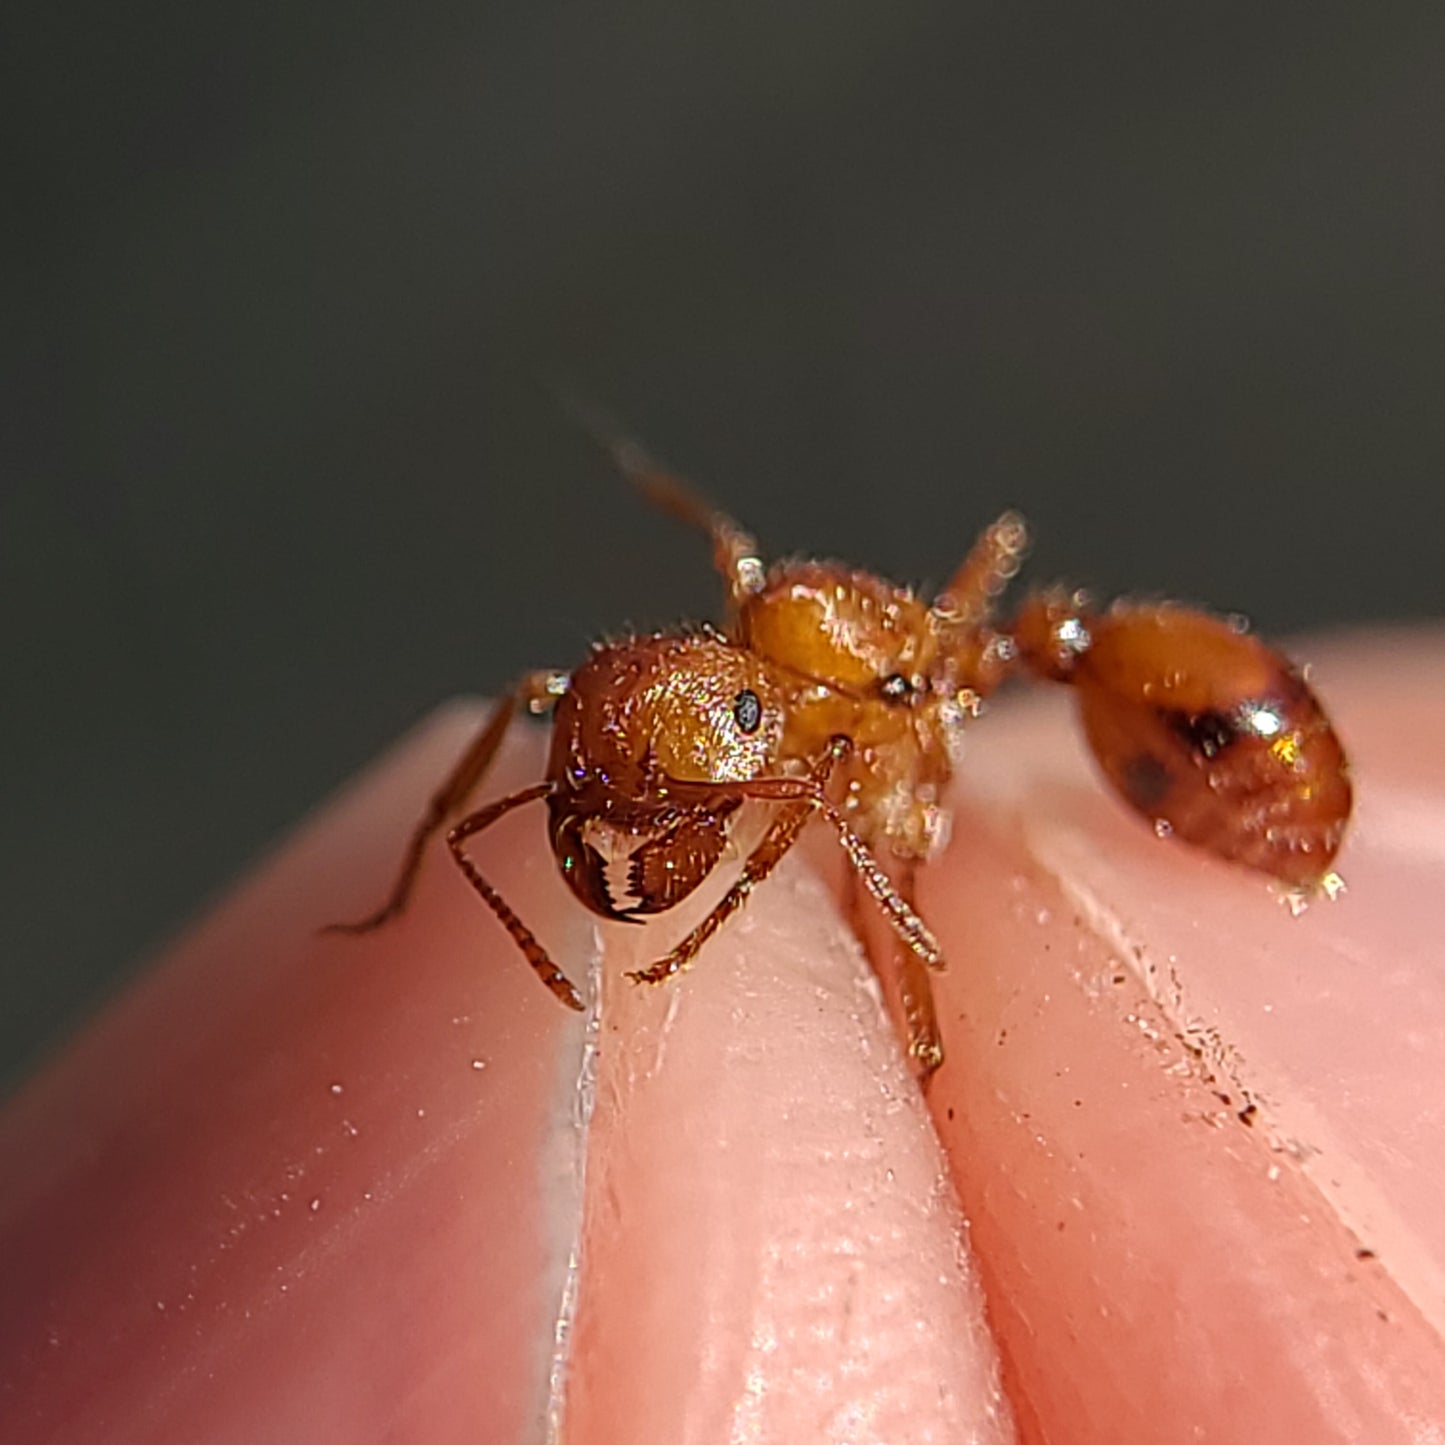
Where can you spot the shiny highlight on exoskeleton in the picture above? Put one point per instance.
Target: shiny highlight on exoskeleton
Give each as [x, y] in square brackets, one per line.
[830, 691]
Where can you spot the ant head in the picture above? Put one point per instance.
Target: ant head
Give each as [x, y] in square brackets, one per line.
[713, 712]
[710, 710]
[695, 706]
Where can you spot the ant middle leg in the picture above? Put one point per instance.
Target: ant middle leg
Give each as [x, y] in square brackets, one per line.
[537, 691]
[910, 977]
[915, 994]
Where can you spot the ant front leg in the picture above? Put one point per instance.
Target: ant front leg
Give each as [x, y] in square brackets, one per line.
[780, 837]
[734, 551]
[804, 796]
[537, 691]
[560, 985]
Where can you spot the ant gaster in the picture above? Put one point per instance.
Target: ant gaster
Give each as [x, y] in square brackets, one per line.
[830, 683]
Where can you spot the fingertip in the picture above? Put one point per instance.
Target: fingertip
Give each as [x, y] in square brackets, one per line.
[304, 1186]
[1186, 1125]
[771, 1250]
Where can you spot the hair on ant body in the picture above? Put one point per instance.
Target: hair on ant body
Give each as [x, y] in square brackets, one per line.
[834, 692]
[1203, 730]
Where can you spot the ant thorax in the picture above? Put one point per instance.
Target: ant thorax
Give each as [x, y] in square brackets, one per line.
[863, 659]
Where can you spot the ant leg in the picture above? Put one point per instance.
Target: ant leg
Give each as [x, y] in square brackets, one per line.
[734, 551]
[780, 837]
[982, 657]
[807, 797]
[522, 936]
[915, 989]
[915, 994]
[537, 690]
[897, 911]
[968, 597]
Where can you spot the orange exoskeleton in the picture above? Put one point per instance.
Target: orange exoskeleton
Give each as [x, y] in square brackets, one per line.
[1203, 730]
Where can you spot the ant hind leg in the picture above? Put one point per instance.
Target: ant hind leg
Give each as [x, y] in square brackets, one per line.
[734, 550]
[968, 597]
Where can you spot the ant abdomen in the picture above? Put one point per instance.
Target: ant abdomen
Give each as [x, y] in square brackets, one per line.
[1201, 729]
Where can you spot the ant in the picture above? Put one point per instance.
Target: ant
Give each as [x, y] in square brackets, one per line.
[1205, 731]
[830, 683]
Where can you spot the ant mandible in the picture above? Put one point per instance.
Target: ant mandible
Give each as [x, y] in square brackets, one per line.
[833, 681]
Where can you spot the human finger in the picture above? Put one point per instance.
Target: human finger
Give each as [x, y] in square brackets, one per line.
[1198, 1139]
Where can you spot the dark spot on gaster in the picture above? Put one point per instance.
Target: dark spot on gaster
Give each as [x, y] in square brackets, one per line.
[1206, 734]
[1146, 782]
[748, 711]
[1364, 1254]
[1246, 1115]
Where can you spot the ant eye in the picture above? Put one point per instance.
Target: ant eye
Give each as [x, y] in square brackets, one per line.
[748, 711]
[896, 688]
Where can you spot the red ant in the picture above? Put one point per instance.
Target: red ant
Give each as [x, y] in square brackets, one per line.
[1206, 732]
[834, 683]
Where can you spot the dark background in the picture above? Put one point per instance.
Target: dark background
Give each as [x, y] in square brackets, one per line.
[277, 472]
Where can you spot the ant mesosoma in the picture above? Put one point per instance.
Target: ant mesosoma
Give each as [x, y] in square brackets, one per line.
[834, 691]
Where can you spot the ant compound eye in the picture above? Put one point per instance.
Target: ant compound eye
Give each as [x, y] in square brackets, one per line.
[896, 688]
[748, 711]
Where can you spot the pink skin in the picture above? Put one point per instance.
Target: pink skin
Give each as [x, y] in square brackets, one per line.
[295, 1187]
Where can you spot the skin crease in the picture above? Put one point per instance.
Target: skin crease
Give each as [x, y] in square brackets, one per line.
[296, 1187]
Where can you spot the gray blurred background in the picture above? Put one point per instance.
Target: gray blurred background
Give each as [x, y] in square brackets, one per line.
[278, 472]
